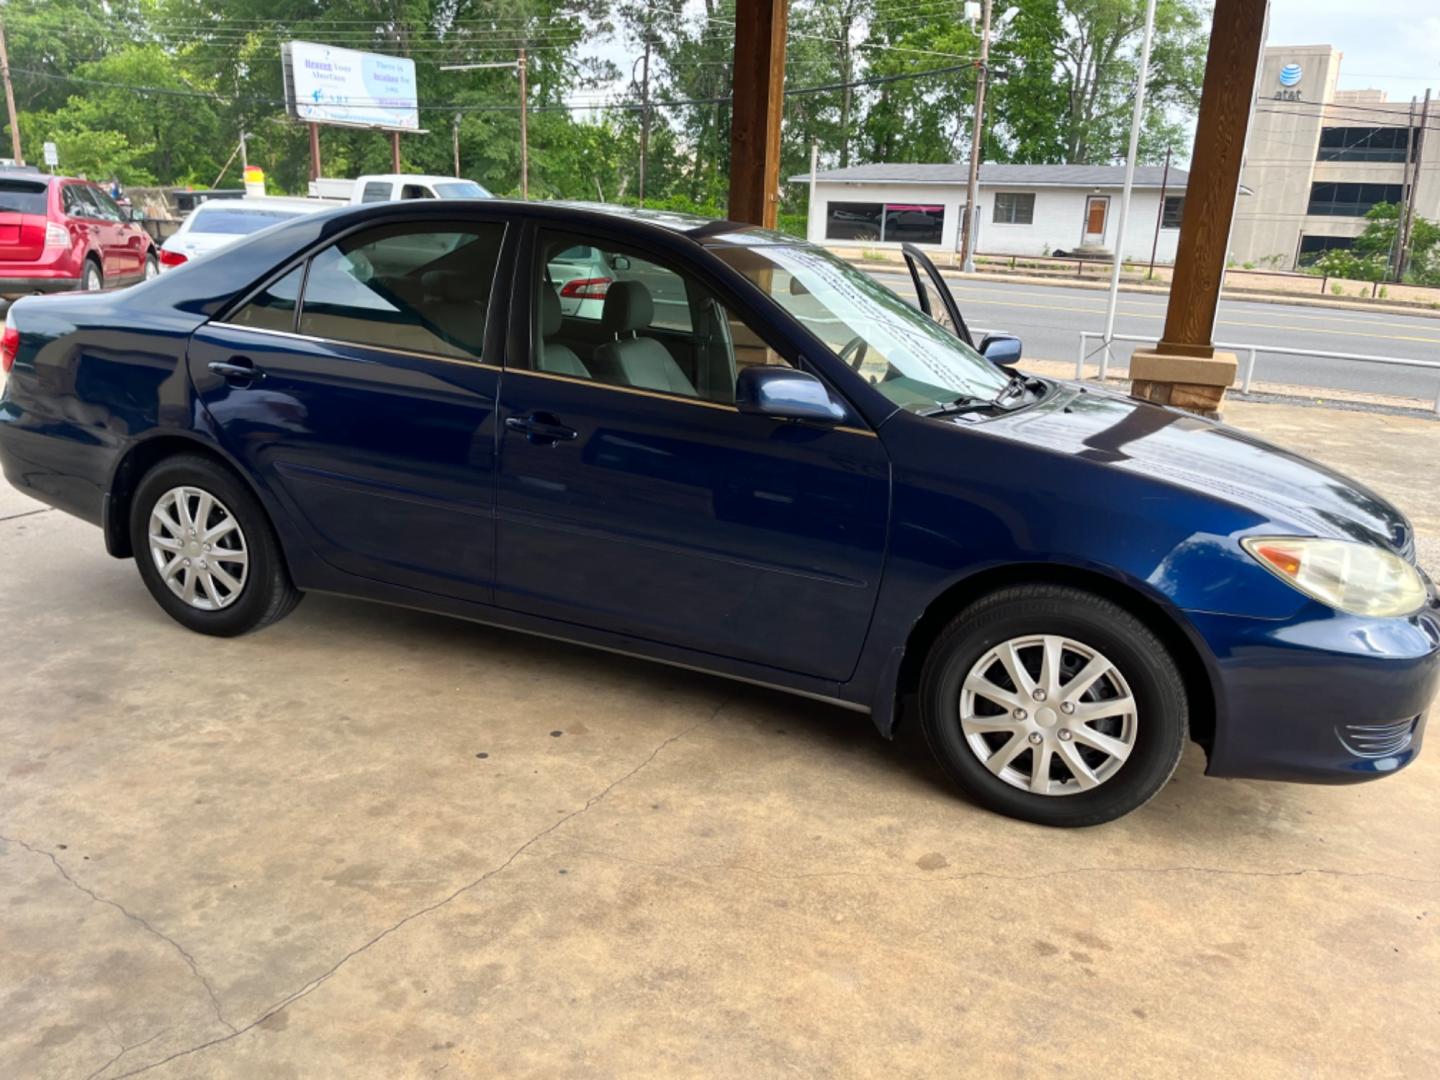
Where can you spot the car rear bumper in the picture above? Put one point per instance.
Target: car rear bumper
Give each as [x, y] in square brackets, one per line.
[12, 287]
[1324, 698]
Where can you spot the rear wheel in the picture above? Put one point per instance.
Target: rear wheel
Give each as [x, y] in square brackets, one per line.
[206, 550]
[91, 278]
[1053, 705]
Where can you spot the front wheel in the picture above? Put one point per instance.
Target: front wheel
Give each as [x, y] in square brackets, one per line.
[206, 550]
[1053, 705]
[152, 267]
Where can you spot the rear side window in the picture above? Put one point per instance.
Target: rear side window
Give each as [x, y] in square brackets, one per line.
[414, 288]
[416, 191]
[376, 191]
[237, 222]
[74, 203]
[22, 196]
[274, 308]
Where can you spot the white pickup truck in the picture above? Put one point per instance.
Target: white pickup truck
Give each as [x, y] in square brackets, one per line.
[389, 187]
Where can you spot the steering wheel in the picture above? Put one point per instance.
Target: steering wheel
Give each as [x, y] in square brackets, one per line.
[859, 347]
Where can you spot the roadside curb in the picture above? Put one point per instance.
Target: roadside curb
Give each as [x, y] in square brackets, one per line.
[1392, 307]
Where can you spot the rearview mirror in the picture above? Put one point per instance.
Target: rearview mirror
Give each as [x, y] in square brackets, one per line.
[1001, 349]
[786, 394]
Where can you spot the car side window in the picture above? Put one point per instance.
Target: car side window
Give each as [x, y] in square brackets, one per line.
[109, 209]
[274, 307]
[415, 288]
[376, 191]
[619, 318]
[416, 191]
[72, 201]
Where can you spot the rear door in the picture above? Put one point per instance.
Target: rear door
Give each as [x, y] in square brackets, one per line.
[933, 295]
[24, 206]
[104, 229]
[359, 388]
[127, 241]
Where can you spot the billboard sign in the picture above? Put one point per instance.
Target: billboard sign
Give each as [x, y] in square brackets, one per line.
[326, 85]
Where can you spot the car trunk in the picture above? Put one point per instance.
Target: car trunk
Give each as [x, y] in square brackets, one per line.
[22, 219]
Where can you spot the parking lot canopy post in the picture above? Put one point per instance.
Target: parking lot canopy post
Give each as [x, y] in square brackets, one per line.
[756, 109]
[1184, 369]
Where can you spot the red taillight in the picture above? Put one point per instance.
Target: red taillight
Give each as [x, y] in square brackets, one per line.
[9, 346]
[586, 288]
[172, 258]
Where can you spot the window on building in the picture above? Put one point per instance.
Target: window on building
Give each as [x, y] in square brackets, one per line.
[1363, 144]
[1312, 247]
[1014, 207]
[1172, 212]
[854, 221]
[1350, 200]
[913, 223]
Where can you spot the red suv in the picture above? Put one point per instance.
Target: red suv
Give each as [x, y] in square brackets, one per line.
[57, 233]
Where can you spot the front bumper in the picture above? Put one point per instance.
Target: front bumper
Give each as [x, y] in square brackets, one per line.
[1323, 698]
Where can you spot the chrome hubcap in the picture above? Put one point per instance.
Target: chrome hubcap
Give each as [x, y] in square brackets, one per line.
[1048, 714]
[198, 547]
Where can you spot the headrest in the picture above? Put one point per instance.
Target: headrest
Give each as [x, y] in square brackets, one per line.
[627, 307]
[549, 311]
[455, 287]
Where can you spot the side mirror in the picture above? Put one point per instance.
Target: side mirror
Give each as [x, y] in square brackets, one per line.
[136, 214]
[620, 262]
[1001, 349]
[786, 394]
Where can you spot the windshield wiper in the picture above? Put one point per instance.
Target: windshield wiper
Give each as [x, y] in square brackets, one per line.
[1018, 384]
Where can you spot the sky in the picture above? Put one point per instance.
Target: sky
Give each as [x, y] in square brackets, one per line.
[1392, 45]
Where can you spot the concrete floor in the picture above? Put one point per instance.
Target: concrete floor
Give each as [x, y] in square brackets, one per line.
[370, 842]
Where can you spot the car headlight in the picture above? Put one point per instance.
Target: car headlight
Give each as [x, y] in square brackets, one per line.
[1357, 578]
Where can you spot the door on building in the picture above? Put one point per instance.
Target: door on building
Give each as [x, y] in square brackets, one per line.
[1097, 209]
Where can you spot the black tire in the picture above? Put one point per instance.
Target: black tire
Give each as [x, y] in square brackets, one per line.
[152, 268]
[92, 278]
[266, 594]
[1161, 710]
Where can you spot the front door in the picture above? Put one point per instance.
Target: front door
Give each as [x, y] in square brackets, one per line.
[933, 295]
[1097, 209]
[360, 388]
[634, 497]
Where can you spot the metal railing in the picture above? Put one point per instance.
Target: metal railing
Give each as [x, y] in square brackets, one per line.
[1247, 366]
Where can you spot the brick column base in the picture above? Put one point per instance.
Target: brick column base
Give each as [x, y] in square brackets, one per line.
[1192, 383]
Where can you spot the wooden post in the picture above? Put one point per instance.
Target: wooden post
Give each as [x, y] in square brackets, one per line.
[10, 100]
[756, 109]
[314, 151]
[524, 130]
[395, 151]
[1184, 369]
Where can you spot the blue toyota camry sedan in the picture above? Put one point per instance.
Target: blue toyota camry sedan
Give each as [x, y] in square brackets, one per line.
[722, 448]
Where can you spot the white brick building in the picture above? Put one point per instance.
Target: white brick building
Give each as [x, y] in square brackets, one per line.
[1024, 209]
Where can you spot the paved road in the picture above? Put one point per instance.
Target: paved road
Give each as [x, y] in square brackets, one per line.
[1049, 319]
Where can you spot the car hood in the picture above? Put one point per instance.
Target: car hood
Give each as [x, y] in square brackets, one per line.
[1204, 456]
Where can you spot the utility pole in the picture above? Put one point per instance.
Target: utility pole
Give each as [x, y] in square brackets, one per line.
[1405, 194]
[1118, 259]
[10, 100]
[810, 203]
[524, 134]
[972, 190]
[644, 109]
[244, 155]
[1160, 214]
[1410, 210]
[455, 142]
[846, 60]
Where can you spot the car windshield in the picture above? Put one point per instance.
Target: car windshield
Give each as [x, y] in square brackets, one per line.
[460, 189]
[905, 354]
[237, 221]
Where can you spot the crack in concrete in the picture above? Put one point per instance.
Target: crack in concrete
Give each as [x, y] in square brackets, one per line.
[320, 980]
[970, 875]
[27, 513]
[125, 1050]
[138, 919]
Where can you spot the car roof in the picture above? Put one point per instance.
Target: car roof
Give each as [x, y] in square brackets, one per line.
[429, 178]
[710, 231]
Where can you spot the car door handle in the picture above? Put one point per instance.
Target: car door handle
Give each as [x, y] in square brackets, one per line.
[541, 428]
[238, 369]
